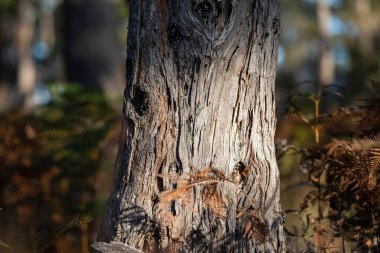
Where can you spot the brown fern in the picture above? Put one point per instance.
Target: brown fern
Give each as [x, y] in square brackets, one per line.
[212, 198]
[253, 224]
[207, 179]
[346, 194]
[370, 122]
[374, 166]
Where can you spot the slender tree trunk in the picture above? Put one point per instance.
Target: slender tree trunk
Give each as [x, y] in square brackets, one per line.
[200, 93]
[326, 62]
[91, 50]
[368, 24]
[26, 76]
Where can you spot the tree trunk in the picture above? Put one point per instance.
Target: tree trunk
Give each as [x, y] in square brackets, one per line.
[326, 73]
[200, 94]
[91, 47]
[26, 74]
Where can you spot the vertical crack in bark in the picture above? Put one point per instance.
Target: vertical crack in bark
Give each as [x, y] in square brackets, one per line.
[178, 142]
[212, 156]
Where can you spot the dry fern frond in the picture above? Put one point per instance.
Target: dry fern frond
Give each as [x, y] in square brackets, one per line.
[336, 148]
[173, 178]
[319, 238]
[187, 200]
[200, 173]
[150, 237]
[166, 217]
[212, 198]
[168, 196]
[219, 174]
[374, 166]
[254, 225]
[205, 176]
[163, 209]
[375, 158]
[345, 174]
[183, 194]
[370, 122]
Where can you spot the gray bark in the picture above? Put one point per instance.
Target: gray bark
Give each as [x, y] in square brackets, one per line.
[200, 92]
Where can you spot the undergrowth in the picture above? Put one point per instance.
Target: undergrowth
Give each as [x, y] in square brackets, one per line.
[341, 212]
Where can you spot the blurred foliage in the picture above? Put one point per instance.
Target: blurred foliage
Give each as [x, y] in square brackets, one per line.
[6, 5]
[49, 159]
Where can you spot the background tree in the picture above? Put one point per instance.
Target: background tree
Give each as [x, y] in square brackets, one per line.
[86, 60]
[196, 165]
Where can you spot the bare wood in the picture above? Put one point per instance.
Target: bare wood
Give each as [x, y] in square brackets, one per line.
[200, 93]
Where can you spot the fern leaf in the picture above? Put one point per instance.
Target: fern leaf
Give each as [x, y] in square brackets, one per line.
[373, 168]
[211, 197]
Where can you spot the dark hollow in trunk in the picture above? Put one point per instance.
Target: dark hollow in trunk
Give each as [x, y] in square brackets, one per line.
[199, 94]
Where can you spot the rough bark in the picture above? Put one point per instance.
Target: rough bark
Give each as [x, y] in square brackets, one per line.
[200, 92]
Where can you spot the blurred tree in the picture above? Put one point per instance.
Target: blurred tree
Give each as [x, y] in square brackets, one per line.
[7, 63]
[17, 72]
[368, 25]
[364, 48]
[36, 35]
[26, 76]
[326, 73]
[91, 46]
[200, 94]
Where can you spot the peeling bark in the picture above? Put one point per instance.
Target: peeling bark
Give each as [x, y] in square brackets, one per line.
[200, 92]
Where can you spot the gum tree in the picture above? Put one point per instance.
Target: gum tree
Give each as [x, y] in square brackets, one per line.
[196, 169]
